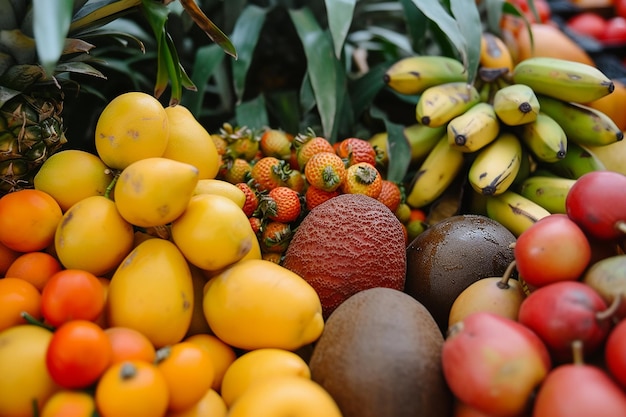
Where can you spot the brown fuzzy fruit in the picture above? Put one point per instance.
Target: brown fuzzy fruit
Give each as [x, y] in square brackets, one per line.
[347, 244]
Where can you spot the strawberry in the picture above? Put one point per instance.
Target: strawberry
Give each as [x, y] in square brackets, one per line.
[296, 181]
[269, 172]
[272, 257]
[354, 150]
[255, 222]
[220, 144]
[362, 178]
[281, 204]
[325, 170]
[241, 142]
[275, 237]
[252, 200]
[307, 146]
[390, 195]
[276, 143]
[315, 196]
[235, 170]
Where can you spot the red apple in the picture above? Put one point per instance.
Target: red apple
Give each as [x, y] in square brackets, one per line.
[579, 390]
[615, 353]
[552, 249]
[587, 23]
[564, 312]
[620, 8]
[494, 364]
[614, 31]
[597, 203]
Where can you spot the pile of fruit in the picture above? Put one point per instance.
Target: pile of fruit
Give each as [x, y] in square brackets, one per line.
[257, 272]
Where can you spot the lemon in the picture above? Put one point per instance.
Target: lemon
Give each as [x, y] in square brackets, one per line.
[131, 127]
[190, 142]
[57, 177]
[25, 378]
[259, 304]
[256, 367]
[92, 236]
[221, 187]
[154, 191]
[213, 232]
[285, 396]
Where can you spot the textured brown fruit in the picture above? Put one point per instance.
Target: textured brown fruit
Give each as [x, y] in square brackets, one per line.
[452, 254]
[347, 244]
[380, 355]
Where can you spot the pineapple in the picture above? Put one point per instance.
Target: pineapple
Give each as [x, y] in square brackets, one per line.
[31, 99]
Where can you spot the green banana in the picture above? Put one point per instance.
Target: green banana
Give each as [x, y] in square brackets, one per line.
[414, 74]
[474, 129]
[495, 167]
[549, 192]
[563, 79]
[582, 124]
[545, 138]
[514, 211]
[516, 104]
[422, 139]
[441, 103]
[578, 161]
[435, 174]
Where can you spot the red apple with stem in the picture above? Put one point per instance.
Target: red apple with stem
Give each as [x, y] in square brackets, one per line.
[552, 249]
[579, 390]
[615, 353]
[494, 364]
[563, 312]
[597, 203]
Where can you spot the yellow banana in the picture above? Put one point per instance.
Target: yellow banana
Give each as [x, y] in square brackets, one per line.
[435, 174]
[516, 104]
[525, 168]
[563, 79]
[578, 161]
[495, 167]
[441, 103]
[474, 129]
[582, 124]
[414, 74]
[514, 211]
[422, 139]
[549, 192]
[494, 53]
[545, 138]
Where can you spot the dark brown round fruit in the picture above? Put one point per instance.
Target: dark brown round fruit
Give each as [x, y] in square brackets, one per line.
[452, 254]
[348, 244]
[380, 355]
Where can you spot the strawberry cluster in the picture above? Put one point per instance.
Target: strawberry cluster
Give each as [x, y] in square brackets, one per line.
[285, 176]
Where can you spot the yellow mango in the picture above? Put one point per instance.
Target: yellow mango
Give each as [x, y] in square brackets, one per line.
[152, 292]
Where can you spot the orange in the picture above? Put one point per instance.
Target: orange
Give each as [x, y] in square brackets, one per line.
[188, 371]
[28, 220]
[34, 267]
[129, 344]
[221, 354]
[7, 256]
[69, 403]
[132, 389]
[17, 296]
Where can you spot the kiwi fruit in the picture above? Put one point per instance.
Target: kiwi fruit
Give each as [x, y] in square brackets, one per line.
[380, 355]
[452, 254]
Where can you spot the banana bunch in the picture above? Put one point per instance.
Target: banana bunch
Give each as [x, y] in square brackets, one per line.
[519, 133]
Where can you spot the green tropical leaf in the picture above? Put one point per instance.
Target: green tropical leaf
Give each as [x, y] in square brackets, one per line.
[245, 37]
[439, 16]
[398, 148]
[207, 59]
[283, 105]
[364, 89]
[340, 14]
[468, 19]
[252, 113]
[51, 23]
[416, 24]
[323, 69]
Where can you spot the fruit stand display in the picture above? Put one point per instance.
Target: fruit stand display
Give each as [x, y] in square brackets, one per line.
[464, 260]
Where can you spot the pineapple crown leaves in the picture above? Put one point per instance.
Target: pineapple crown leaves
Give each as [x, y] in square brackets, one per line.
[54, 21]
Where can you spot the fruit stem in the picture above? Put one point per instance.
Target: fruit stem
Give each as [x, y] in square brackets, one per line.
[504, 282]
[107, 192]
[611, 309]
[577, 353]
[31, 320]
